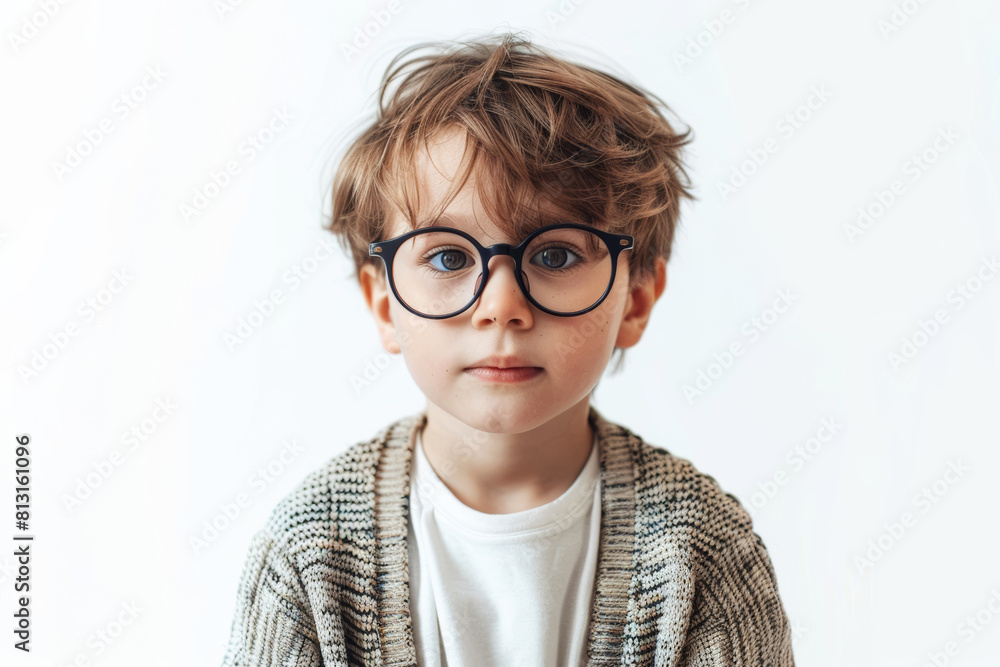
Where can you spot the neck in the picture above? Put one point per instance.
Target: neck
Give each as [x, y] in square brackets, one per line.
[499, 471]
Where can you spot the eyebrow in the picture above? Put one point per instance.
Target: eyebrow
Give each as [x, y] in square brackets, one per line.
[444, 220]
[452, 221]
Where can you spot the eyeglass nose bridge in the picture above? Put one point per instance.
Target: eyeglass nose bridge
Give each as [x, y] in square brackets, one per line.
[500, 250]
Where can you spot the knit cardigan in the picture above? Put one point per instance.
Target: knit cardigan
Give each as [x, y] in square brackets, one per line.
[682, 580]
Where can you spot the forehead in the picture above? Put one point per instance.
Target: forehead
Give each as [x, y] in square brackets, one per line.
[436, 173]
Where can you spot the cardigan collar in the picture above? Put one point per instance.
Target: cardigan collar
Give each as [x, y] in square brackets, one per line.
[617, 454]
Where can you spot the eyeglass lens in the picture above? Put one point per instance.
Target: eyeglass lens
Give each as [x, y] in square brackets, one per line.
[565, 270]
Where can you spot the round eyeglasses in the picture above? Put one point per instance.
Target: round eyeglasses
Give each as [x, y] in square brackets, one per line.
[565, 269]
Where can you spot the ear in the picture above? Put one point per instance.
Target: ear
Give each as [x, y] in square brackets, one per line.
[643, 293]
[376, 292]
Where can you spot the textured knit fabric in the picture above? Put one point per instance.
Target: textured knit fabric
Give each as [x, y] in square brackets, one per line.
[502, 589]
[682, 579]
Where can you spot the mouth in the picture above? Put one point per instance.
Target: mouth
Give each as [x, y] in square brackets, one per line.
[511, 374]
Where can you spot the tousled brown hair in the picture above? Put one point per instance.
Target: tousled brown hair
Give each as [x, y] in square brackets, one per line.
[538, 129]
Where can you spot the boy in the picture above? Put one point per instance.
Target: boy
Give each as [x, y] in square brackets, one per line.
[510, 216]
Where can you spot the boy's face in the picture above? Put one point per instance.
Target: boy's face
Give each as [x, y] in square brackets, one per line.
[571, 353]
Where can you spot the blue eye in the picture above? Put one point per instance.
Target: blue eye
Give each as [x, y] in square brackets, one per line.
[555, 258]
[452, 259]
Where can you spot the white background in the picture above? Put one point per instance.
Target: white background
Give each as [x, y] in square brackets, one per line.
[161, 336]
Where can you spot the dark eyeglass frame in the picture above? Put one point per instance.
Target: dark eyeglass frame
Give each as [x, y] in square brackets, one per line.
[615, 243]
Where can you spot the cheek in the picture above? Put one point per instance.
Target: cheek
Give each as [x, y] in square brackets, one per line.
[586, 344]
[420, 339]
[408, 331]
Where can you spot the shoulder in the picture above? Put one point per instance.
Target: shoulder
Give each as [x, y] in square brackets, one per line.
[339, 496]
[683, 513]
[688, 496]
[684, 506]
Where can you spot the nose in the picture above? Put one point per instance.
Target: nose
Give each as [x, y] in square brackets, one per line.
[502, 300]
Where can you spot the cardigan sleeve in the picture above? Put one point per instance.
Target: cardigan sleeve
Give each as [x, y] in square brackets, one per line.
[738, 618]
[273, 624]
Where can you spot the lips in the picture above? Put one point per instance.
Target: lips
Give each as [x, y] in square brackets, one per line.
[491, 374]
[502, 362]
[504, 368]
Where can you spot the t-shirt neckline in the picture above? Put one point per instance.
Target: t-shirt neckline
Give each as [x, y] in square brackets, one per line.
[552, 517]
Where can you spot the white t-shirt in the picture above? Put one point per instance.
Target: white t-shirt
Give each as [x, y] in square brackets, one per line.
[502, 589]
